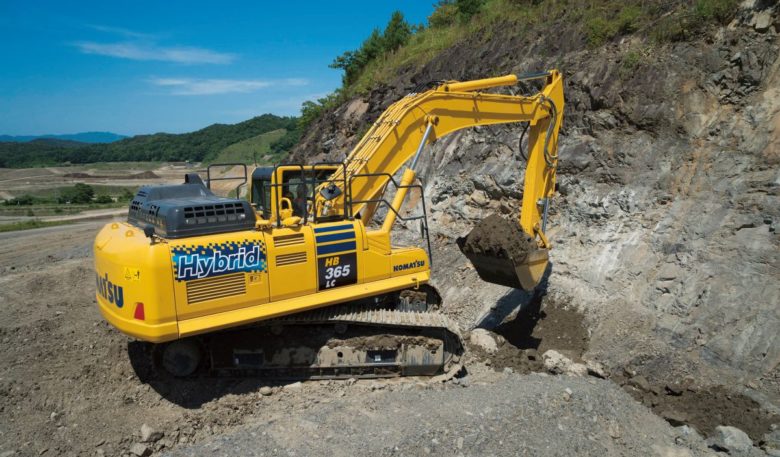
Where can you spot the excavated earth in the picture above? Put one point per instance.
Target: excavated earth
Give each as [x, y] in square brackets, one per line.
[496, 237]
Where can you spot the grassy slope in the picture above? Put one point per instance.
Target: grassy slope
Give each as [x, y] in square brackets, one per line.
[599, 21]
[247, 150]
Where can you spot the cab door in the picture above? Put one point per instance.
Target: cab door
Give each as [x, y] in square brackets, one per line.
[291, 262]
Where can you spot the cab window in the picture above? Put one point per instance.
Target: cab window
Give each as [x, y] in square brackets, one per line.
[299, 188]
[261, 196]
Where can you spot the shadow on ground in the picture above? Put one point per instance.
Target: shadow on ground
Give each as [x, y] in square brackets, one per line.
[190, 393]
[532, 322]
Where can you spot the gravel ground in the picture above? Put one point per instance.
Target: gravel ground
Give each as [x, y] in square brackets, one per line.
[512, 414]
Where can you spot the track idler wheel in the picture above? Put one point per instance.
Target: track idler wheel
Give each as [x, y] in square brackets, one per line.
[502, 253]
[181, 358]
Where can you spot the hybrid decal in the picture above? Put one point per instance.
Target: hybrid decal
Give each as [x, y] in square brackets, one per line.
[110, 291]
[214, 259]
[409, 265]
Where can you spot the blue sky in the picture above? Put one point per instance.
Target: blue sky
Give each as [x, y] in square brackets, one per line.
[144, 67]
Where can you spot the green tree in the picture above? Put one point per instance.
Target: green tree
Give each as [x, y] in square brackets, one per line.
[80, 193]
[468, 8]
[397, 32]
[127, 195]
[444, 15]
[25, 199]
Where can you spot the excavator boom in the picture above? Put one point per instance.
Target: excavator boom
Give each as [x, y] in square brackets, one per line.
[406, 127]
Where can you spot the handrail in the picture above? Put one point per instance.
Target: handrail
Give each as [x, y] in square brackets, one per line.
[228, 164]
[391, 179]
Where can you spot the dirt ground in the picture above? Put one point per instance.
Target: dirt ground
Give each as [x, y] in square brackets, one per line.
[72, 385]
[129, 175]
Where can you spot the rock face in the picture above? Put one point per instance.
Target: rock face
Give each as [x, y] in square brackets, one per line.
[665, 229]
[140, 450]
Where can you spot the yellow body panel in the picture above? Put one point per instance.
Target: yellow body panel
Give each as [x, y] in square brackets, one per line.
[206, 291]
[246, 315]
[292, 270]
[199, 284]
[119, 249]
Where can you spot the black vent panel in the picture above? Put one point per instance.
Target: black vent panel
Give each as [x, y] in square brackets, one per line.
[215, 213]
[186, 210]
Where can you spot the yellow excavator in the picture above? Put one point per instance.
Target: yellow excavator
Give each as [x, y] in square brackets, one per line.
[297, 281]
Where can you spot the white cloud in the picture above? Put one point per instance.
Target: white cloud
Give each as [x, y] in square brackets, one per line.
[295, 82]
[147, 51]
[189, 86]
[122, 32]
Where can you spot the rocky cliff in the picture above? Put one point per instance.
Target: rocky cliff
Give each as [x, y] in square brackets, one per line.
[665, 228]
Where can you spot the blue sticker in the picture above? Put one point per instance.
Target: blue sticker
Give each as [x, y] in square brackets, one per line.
[197, 262]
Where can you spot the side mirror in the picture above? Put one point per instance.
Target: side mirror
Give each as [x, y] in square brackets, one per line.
[149, 232]
[330, 192]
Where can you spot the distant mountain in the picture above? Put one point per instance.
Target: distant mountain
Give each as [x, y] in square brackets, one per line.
[55, 142]
[83, 137]
[202, 145]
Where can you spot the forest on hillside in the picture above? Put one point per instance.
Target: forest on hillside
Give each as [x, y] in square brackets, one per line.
[198, 146]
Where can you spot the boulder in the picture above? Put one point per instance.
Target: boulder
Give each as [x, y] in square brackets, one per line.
[557, 363]
[762, 21]
[266, 391]
[149, 435]
[772, 442]
[294, 386]
[596, 369]
[730, 439]
[140, 450]
[484, 339]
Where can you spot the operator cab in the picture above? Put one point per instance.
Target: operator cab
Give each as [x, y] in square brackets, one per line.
[276, 190]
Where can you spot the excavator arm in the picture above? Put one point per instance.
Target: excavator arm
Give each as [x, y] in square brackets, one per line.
[407, 126]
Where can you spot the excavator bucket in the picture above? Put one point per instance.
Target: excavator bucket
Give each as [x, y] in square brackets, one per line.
[502, 253]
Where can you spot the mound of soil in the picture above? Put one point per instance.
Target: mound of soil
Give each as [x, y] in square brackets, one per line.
[145, 175]
[704, 408]
[546, 324]
[139, 175]
[497, 237]
[532, 332]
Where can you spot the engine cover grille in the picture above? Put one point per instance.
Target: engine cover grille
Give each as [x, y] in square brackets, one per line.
[201, 290]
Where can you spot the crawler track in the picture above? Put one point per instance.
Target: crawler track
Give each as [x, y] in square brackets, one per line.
[347, 341]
